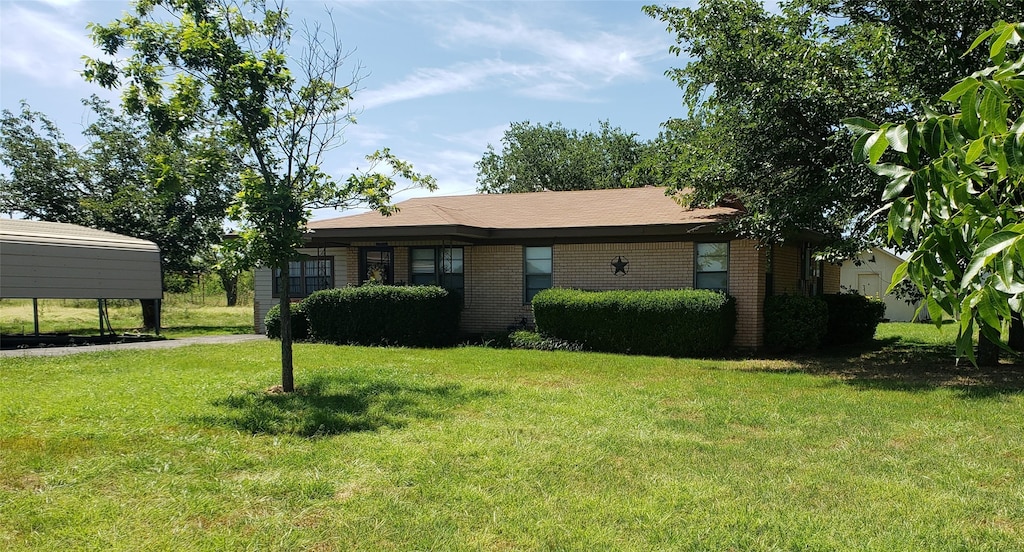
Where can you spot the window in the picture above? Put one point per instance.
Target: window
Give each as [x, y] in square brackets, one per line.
[442, 266]
[306, 276]
[712, 266]
[376, 265]
[536, 271]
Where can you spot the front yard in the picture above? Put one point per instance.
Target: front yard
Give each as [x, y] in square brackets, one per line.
[470, 448]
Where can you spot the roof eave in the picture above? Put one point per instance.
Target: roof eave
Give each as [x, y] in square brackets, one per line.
[473, 234]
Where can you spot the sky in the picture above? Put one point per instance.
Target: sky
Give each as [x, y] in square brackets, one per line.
[440, 80]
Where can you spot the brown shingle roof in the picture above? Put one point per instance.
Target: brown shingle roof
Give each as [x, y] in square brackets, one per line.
[488, 215]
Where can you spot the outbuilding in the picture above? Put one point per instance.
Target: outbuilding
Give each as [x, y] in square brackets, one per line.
[52, 260]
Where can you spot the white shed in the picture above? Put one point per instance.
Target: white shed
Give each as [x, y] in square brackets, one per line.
[52, 260]
[871, 277]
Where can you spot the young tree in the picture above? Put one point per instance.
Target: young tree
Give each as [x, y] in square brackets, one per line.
[955, 186]
[190, 63]
[538, 157]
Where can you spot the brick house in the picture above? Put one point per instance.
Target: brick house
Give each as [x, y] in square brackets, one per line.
[498, 250]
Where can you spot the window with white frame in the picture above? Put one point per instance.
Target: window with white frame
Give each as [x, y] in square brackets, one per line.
[536, 271]
[712, 266]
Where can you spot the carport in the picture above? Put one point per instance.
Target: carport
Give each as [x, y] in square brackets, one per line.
[52, 260]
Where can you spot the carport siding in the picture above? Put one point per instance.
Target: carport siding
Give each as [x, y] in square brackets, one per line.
[46, 260]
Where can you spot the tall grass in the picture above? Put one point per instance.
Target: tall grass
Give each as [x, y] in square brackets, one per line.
[472, 448]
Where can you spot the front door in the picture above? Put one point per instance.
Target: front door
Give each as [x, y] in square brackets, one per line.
[377, 265]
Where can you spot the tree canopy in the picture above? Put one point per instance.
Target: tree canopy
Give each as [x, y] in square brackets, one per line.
[767, 92]
[186, 64]
[127, 179]
[536, 157]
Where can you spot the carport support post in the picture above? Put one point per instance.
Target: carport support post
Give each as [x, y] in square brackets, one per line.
[159, 307]
[35, 315]
[99, 305]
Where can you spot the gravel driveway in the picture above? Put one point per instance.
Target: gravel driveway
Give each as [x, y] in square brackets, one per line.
[146, 345]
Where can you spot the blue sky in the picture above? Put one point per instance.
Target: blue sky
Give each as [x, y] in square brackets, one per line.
[441, 79]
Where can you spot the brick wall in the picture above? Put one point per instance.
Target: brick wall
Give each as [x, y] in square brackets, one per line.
[833, 273]
[786, 269]
[747, 266]
[651, 265]
[494, 289]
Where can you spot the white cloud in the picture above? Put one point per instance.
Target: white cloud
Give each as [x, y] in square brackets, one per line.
[431, 81]
[527, 60]
[42, 46]
[599, 54]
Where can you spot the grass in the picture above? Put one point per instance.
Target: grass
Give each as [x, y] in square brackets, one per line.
[473, 448]
[182, 315]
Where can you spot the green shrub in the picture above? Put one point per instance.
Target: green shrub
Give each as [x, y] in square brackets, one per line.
[680, 322]
[300, 324]
[852, 318]
[415, 316]
[525, 339]
[794, 323]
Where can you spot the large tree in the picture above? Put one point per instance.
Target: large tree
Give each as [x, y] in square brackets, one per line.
[185, 64]
[767, 91]
[537, 157]
[126, 179]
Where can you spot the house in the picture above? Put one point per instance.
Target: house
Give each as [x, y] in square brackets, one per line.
[499, 250]
[869, 274]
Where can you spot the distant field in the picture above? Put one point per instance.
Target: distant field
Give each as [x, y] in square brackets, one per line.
[182, 315]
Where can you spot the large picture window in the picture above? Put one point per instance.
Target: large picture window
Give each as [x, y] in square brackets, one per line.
[712, 266]
[440, 266]
[536, 271]
[306, 276]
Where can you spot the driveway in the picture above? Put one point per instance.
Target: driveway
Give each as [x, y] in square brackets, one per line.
[145, 345]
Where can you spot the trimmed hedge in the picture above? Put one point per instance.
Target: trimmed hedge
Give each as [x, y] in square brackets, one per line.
[300, 326]
[680, 322]
[794, 323]
[852, 318]
[415, 316]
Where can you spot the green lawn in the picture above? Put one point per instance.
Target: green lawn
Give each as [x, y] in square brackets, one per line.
[472, 448]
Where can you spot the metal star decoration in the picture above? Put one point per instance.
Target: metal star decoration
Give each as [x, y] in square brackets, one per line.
[620, 266]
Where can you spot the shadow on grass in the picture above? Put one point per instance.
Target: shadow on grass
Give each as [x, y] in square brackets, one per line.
[898, 364]
[332, 405]
[208, 330]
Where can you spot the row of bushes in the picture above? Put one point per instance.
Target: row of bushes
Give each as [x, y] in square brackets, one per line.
[678, 322]
[664, 322]
[414, 316]
[798, 323]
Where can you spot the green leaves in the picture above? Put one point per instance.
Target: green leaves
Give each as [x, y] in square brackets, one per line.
[962, 210]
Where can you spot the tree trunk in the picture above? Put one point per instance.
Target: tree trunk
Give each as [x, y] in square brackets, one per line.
[988, 352]
[287, 376]
[1017, 333]
[230, 284]
[149, 313]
